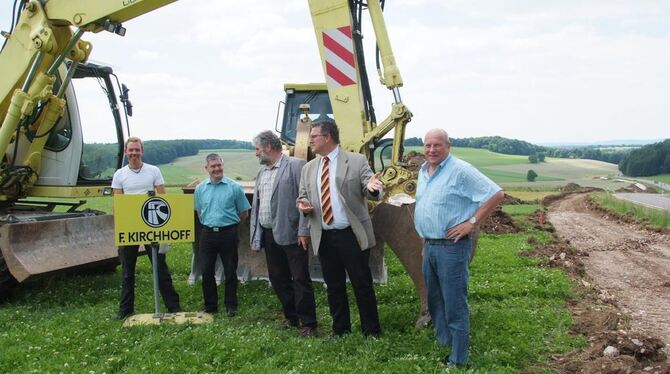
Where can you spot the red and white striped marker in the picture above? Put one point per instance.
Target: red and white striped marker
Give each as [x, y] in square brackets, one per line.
[340, 62]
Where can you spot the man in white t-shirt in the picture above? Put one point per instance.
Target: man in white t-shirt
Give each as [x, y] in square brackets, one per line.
[139, 178]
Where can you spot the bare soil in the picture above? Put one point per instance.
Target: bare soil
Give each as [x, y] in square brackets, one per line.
[623, 277]
[499, 222]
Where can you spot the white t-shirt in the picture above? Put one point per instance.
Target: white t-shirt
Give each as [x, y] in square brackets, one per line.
[135, 183]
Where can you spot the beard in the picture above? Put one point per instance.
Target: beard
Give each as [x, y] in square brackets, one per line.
[264, 159]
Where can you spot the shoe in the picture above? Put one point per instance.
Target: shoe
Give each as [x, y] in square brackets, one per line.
[340, 334]
[450, 365]
[121, 315]
[288, 324]
[232, 311]
[210, 311]
[175, 310]
[373, 335]
[308, 332]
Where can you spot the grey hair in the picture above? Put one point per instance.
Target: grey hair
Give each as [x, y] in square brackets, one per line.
[212, 157]
[267, 137]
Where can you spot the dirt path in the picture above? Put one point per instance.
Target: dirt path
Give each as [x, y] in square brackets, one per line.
[632, 265]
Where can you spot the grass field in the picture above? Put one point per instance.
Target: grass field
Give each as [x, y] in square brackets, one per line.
[665, 178]
[654, 217]
[529, 195]
[63, 324]
[506, 170]
[239, 164]
[510, 170]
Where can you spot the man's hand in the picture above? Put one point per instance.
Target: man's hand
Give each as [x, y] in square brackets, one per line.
[304, 206]
[374, 184]
[457, 232]
[304, 241]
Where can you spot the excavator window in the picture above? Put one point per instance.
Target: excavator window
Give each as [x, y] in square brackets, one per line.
[319, 105]
[61, 134]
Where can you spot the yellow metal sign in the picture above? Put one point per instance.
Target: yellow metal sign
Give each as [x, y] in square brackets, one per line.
[142, 219]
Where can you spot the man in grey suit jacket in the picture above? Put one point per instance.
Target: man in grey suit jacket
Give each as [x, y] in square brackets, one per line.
[279, 228]
[334, 191]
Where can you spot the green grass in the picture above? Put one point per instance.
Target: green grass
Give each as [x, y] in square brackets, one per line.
[239, 164]
[665, 178]
[517, 210]
[529, 195]
[654, 217]
[63, 324]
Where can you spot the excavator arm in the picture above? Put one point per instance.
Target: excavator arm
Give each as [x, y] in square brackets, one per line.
[337, 25]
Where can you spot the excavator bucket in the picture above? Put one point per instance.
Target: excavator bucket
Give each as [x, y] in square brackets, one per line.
[395, 226]
[41, 247]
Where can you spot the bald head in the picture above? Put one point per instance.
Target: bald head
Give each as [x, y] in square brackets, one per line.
[436, 147]
[440, 133]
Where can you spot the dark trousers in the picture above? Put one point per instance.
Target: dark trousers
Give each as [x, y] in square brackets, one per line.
[288, 268]
[128, 259]
[339, 252]
[222, 244]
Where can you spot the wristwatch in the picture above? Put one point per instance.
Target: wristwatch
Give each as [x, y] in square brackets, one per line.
[473, 220]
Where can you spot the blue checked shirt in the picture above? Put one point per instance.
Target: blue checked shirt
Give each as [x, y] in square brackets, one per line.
[220, 203]
[450, 196]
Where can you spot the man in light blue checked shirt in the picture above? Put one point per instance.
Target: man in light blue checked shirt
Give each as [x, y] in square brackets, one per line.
[452, 196]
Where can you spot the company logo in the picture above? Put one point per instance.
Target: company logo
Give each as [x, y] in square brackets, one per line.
[156, 212]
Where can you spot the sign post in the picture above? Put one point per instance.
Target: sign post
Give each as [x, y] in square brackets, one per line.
[149, 220]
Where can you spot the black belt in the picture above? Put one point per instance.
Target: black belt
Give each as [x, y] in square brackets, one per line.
[444, 241]
[219, 229]
[335, 231]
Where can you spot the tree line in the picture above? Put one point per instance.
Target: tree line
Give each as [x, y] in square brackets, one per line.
[98, 157]
[652, 159]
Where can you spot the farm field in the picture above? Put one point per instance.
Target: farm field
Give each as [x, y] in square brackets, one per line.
[507, 170]
[665, 178]
[239, 164]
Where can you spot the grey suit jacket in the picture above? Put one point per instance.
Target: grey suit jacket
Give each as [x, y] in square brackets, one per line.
[287, 222]
[352, 176]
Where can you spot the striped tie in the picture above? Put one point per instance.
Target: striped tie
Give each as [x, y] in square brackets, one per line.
[326, 206]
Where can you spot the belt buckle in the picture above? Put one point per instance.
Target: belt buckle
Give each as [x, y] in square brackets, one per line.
[215, 229]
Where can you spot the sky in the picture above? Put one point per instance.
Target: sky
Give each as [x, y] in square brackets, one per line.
[540, 71]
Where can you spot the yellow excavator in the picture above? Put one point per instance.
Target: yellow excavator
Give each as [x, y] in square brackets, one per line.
[44, 155]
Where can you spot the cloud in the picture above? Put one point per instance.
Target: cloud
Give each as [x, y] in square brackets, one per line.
[574, 70]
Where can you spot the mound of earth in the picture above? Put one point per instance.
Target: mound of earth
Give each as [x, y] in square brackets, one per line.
[414, 160]
[568, 189]
[499, 223]
[559, 254]
[511, 200]
[571, 187]
[637, 188]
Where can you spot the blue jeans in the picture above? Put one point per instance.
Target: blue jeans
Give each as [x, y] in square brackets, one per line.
[445, 270]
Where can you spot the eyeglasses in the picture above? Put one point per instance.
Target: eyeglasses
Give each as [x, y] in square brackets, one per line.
[315, 136]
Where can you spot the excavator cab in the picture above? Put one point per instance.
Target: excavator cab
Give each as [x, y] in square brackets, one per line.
[314, 94]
